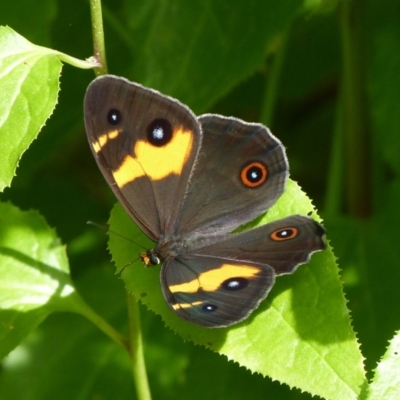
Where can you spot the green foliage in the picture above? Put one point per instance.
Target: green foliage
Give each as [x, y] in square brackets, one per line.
[324, 77]
[298, 333]
[386, 383]
[29, 78]
[35, 275]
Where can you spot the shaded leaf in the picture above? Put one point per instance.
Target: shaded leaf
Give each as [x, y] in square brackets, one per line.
[368, 250]
[205, 48]
[18, 15]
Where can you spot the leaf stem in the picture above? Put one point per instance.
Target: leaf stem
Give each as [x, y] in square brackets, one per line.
[79, 306]
[76, 62]
[136, 350]
[98, 37]
[355, 112]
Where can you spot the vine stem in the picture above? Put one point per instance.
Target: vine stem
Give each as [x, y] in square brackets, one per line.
[98, 37]
[355, 112]
[135, 343]
[136, 350]
[79, 306]
[270, 95]
[335, 180]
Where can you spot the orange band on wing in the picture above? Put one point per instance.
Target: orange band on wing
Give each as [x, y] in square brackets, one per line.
[156, 162]
[211, 280]
[177, 306]
[103, 139]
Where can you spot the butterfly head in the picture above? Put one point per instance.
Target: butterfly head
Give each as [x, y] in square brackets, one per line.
[150, 258]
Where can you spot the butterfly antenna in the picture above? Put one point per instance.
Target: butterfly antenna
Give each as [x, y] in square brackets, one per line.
[119, 273]
[103, 227]
[106, 229]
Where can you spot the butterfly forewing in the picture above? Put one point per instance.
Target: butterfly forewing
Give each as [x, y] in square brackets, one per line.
[241, 171]
[145, 145]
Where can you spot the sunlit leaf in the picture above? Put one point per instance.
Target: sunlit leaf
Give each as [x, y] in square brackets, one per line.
[303, 322]
[29, 81]
[34, 275]
[386, 383]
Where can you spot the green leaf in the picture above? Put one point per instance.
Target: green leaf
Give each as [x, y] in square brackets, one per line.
[204, 48]
[29, 79]
[320, 5]
[386, 383]
[368, 250]
[18, 14]
[301, 334]
[384, 84]
[29, 88]
[34, 276]
[69, 358]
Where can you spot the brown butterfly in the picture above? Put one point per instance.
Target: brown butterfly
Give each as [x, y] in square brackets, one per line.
[189, 182]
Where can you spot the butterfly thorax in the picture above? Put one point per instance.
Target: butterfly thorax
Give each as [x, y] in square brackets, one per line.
[168, 246]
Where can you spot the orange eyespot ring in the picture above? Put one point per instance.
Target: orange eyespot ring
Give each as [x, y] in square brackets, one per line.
[254, 174]
[284, 234]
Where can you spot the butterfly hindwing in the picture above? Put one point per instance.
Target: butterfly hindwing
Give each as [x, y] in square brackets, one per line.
[221, 283]
[212, 291]
[145, 144]
[283, 244]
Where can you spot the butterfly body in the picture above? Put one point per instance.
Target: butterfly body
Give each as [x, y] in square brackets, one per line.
[189, 183]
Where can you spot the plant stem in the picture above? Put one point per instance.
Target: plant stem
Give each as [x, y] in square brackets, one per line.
[78, 305]
[270, 97]
[335, 179]
[98, 37]
[136, 350]
[135, 346]
[355, 113]
[76, 62]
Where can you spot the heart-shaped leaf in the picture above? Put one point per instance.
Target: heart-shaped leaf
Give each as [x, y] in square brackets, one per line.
[301, 334]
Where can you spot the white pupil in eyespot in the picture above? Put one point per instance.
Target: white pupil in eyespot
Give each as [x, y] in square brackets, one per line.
[233, 284]
[209, 307]
[158, 133]
[254, 175]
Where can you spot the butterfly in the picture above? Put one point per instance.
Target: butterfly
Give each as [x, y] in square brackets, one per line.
[189, 182]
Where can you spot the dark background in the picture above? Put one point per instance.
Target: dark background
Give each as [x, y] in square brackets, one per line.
[219, 57]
